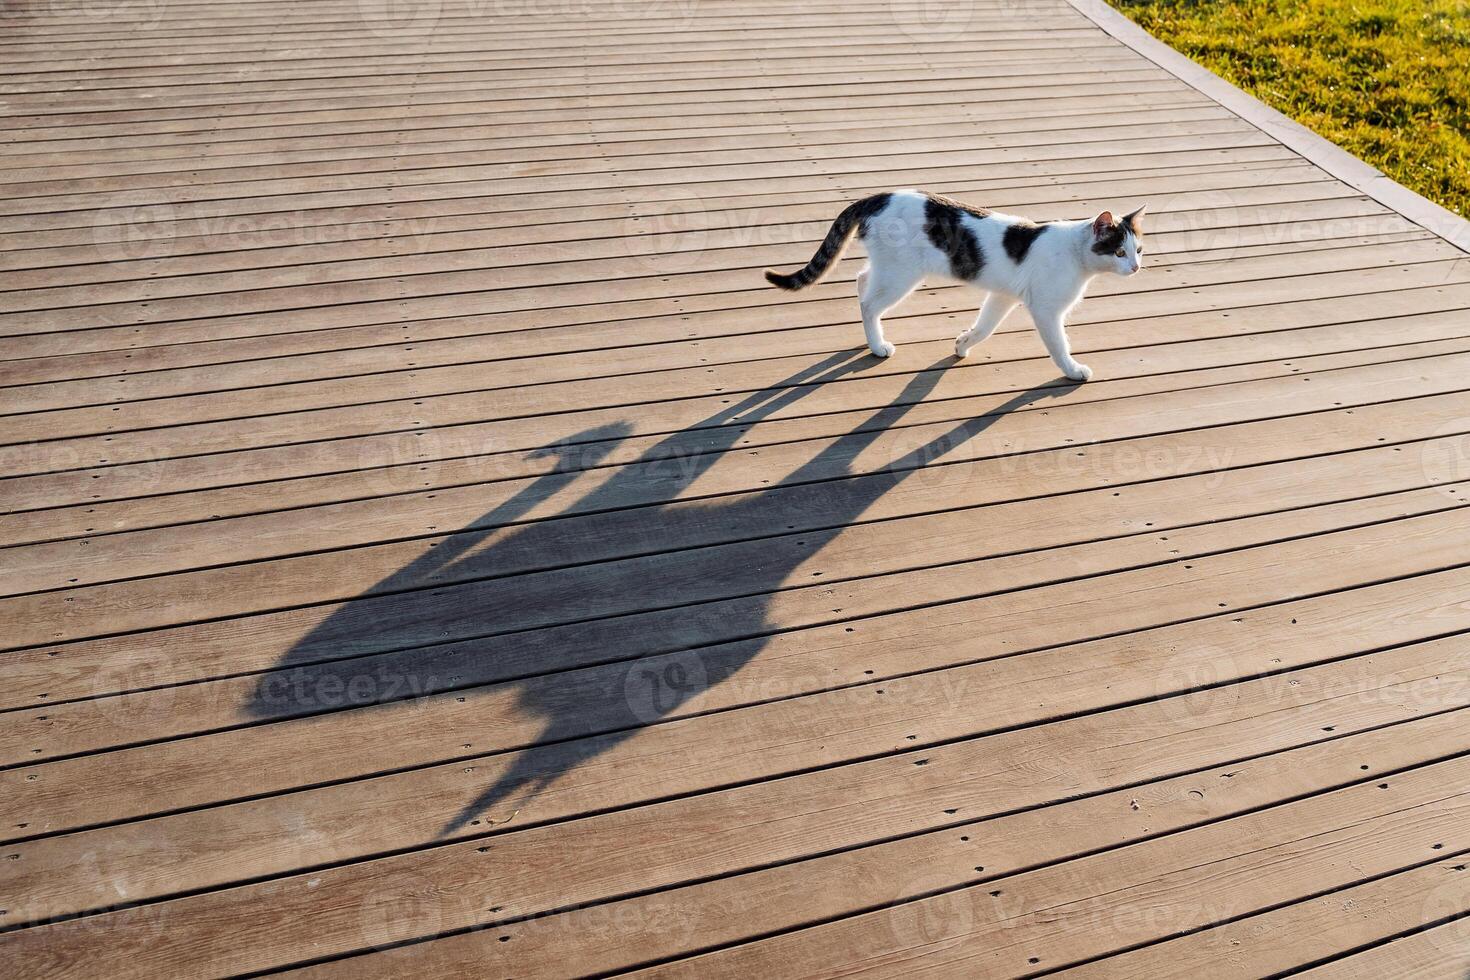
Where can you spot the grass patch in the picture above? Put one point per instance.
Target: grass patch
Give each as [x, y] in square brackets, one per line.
[1387, 80]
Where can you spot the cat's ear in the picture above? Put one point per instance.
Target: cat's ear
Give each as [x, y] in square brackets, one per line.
[1102, 224]
[1134, 219]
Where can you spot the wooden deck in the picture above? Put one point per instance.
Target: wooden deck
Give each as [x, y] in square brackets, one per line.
[432, 550]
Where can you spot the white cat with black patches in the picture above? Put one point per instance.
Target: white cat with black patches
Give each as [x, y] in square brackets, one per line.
[911, 236]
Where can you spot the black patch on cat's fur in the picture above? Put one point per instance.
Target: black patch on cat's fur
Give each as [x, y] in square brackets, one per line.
[853, 219]
[866, 208]
[1018, 238]
[1134, 226]
[945, 226]
[1111, 241]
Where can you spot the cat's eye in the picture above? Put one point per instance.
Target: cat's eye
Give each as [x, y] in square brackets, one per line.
[1121, 252]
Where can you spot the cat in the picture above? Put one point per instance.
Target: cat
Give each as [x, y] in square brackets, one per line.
[911, 235]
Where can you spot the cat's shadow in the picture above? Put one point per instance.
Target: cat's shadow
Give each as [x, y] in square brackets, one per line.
[711, 635]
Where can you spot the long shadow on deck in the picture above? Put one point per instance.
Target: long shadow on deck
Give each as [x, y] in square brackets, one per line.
[574, 589]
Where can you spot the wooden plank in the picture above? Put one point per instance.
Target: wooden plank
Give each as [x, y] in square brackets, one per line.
[1103, 902]
[517, 313]
[925, 335]
[631, 37]
[1051, 101]
[1363, 226]
[455, 181]
[550, 139]
[1192, 733]
[263, 310]
[416, 198]
[549, 132]
[419, 483]
[164, 278]
[1413, 532]
[629, 441]
[436, 117]
[399, 415]
[66, 371]
[92, 559]
[343, 149]
[520, 394]
[1202, 267]
[519, 28]
[363, 62]
[516, 35]
[487, 88]
[121, 69]
[207, 219]
[894, 780]
[617, 33]
[53, 617]
[1009, 529]
[1009, 841]
[165, 152]
[149, 364]
[329, 363]
[1194, 269]
[453, 340]
[1304, 933]
[534, 83]
[590, 106]
[50, 674]
[979, 72]
[1434, 954]
[708, 227]
[346, 152]
[273, 456]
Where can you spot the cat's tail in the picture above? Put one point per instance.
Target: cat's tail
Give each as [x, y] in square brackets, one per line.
[847, 224]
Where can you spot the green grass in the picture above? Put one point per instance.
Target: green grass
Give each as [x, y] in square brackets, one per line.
[1387, 80]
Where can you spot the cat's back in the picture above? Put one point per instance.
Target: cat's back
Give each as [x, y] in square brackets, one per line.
[916, 216]
[918, 207]
[944, 236]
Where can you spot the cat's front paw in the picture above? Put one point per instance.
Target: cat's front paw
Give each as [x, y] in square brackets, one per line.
[962, 346]
[1080, 372]
[884, 349]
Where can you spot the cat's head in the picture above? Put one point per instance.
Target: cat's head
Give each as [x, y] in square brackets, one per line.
[1117, 243]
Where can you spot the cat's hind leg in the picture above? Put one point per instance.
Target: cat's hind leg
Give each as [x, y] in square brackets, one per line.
[1051, 324]
[883, 289]
[992, 312]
